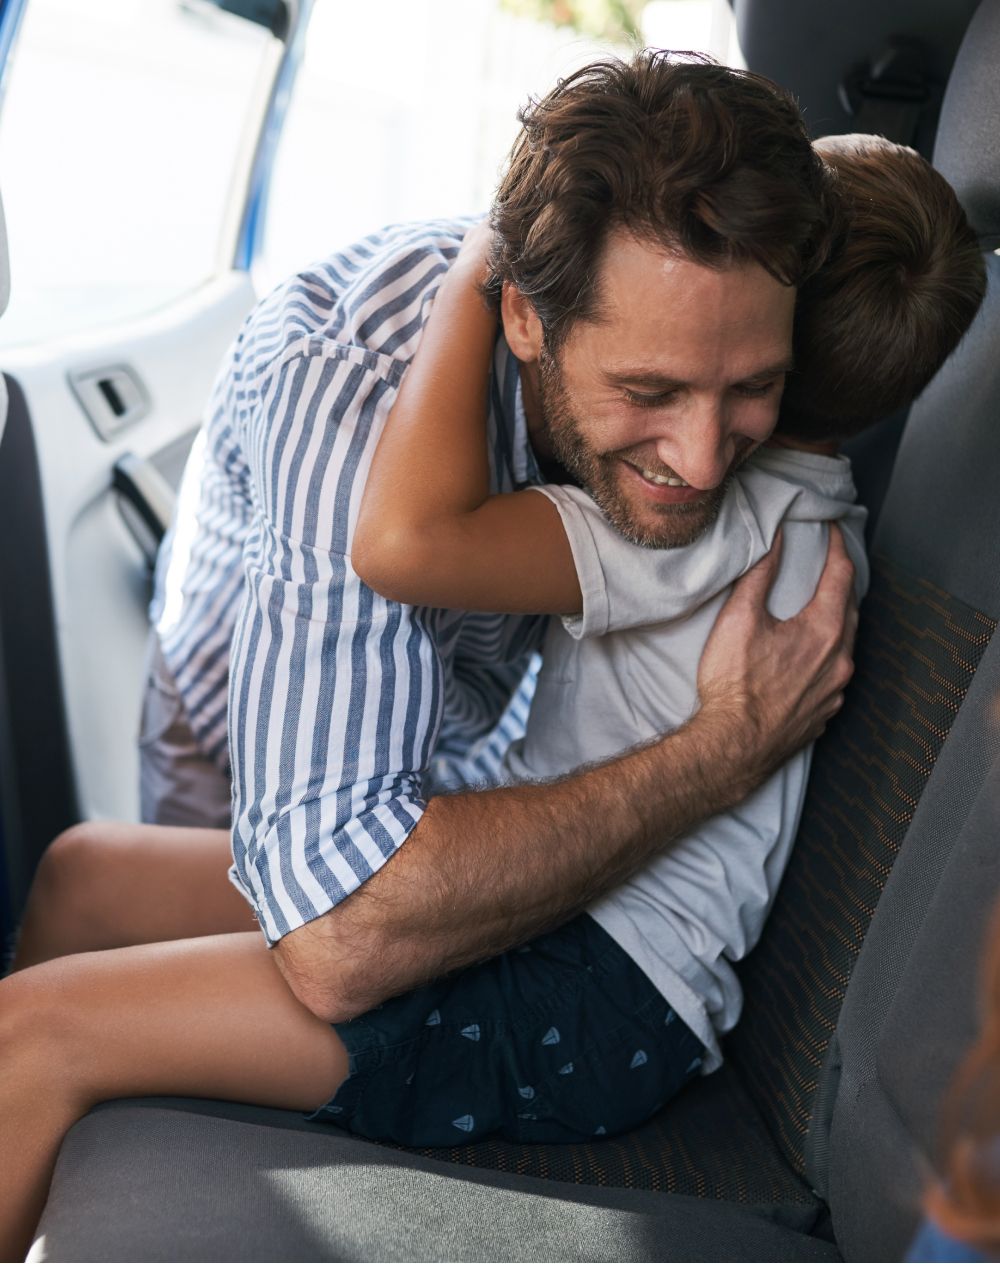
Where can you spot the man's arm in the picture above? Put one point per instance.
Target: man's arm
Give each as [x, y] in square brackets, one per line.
[485, 870]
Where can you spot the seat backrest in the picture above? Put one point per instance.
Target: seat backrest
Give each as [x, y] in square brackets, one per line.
[823, 54]
[859, 998]
[838, 62]
[37, 794]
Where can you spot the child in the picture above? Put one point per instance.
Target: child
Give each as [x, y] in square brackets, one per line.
[620, 668]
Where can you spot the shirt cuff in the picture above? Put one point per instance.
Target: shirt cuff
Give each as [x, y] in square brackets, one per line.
[291, 874]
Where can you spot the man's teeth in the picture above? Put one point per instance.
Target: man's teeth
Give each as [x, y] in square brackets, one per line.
[665, 480]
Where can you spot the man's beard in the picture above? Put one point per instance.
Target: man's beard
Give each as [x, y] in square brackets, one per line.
[673, 526]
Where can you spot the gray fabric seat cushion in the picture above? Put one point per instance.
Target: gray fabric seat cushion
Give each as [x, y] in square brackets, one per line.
[151, 1183]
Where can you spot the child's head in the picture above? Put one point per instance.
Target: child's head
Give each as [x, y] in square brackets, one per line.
[899, 290]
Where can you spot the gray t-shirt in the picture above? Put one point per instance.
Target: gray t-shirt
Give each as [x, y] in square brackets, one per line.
[624, 672]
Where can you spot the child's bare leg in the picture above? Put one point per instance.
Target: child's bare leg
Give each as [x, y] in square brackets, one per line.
[207, 1017]
[108, 885]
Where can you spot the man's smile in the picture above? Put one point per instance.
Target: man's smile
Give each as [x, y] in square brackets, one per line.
[662, 487]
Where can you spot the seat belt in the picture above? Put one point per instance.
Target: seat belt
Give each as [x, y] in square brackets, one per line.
[887, 96]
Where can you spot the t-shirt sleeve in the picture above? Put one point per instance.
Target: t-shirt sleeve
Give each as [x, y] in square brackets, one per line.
[625, 585]
[335, 694]
[583, 523]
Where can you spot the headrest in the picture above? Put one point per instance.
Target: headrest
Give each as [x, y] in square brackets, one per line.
[4, 264]
[812, 50]
[966, 152]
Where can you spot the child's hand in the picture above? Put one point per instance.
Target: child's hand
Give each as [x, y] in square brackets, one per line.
[475, 250]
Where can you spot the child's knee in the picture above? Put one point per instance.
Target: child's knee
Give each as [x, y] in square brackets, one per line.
[69, 873]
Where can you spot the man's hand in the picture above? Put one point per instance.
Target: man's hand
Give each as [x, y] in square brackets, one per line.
[775, 684]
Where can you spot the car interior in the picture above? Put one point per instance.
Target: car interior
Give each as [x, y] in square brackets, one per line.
[817, 1137]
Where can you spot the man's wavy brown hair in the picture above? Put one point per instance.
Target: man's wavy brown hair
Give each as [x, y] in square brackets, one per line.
[711, 162]
[903, 282]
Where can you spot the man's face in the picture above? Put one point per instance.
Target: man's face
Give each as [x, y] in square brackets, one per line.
[653, 406]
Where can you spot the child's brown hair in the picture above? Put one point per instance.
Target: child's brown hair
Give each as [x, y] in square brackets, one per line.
[899, 289]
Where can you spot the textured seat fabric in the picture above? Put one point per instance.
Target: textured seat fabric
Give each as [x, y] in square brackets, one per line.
[911, 1007]
[710, 1143]
[917, 651]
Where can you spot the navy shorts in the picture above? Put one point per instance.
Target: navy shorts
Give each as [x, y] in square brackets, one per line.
[562, 1040]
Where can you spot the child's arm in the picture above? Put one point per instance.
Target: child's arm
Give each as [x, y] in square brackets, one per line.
[429, 532]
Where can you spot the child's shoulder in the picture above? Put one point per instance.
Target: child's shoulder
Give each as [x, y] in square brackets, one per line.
[779, 476]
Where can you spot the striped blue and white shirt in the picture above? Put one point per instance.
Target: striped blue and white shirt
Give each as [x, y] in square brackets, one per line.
[343, 709]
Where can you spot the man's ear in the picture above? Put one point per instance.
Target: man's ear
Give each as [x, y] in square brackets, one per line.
[521, 326]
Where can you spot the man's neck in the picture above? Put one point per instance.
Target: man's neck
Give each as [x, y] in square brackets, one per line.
[538, 435]
[531, 398]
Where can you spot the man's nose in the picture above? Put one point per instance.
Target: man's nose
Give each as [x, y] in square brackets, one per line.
[700, 449]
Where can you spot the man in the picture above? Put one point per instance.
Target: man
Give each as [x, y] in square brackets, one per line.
[339, 700]
[298, 360]
[302, 689]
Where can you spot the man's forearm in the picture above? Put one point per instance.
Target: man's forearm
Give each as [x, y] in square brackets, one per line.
[486, 870]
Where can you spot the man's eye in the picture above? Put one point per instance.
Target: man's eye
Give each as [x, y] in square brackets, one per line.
[757, 390]
[650, 401]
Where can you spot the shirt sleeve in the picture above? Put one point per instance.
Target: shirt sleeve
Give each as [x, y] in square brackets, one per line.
[335, 693]
[199, 573]
[625, 585]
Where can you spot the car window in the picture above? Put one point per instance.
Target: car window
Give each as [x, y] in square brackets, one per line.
[415, 120]
[120, 132]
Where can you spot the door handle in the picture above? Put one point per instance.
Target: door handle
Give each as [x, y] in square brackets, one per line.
[147, 502]
[113, 397]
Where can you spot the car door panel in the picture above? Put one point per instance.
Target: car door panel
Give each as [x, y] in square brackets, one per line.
[99, 573]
